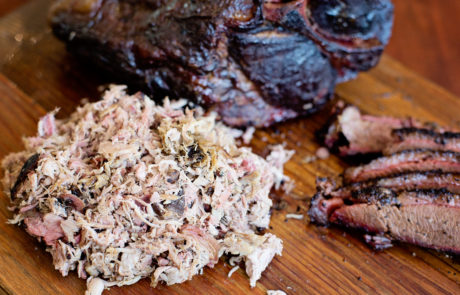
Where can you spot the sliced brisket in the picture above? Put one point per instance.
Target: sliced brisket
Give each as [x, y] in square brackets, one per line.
[427, 218]
[407, 181]
[410, 194]
[349, 132]
[405, 161]
[412, 138]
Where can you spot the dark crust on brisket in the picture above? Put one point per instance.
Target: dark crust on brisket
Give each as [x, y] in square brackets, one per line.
[417, 160]
[382, 135]
[435, 179]
[427, 132]
[328, 133]
[387, 197]
[440, 195]
[29, 166]
[410, 221]
[410, 138]
[375, 210]
[376, 195]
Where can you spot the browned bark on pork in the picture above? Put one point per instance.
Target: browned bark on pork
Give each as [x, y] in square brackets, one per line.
[256, 62]
[29, 166]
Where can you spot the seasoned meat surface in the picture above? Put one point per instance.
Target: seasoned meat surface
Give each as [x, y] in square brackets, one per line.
[406, 161]
[125, 189]
[407, 181]
[350, 132]
[427, 217]
[409, 192]
[255, 62]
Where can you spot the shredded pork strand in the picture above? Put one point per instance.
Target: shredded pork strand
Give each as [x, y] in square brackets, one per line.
[125, 189]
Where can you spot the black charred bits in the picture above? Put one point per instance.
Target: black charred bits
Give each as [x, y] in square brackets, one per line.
[261, 230]
[75, 191]
[207, 208]
[157, 209]
[29, 166]
[376, 195]
[195, 154]
[438, 137]
[339, 18]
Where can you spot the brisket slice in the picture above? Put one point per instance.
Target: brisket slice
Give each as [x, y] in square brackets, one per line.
[406, 181]
[410, 194]
[349, 132]
[405, 161]
[410, 138]
[428, 218]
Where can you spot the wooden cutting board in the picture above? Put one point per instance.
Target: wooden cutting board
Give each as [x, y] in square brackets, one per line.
[37, 75]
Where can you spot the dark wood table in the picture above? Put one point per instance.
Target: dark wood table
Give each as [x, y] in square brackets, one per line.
[37, 74]
[425, 38]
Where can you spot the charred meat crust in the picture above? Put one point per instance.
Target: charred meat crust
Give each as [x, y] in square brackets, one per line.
[428, 218]
[351, 33]
[410, 138]
[405, 161]
[322, 204]
[349, 132]
[376, 195]
[407, 181]
[29, 166]
[384, 196]
[235, 56]
[439, 136]
[388, 215]
[272, 58]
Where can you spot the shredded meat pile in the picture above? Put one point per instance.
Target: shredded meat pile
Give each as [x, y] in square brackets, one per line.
[125, 189]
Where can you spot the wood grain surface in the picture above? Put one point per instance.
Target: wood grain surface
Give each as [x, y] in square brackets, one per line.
[425, 38]
[38, 75]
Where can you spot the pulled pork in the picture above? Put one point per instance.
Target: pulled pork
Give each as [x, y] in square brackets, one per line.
[125, 189]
